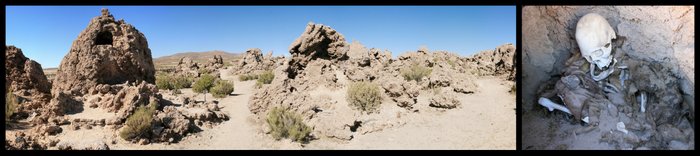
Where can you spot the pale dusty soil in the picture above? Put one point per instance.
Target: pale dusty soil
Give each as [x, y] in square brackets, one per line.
[486, 120]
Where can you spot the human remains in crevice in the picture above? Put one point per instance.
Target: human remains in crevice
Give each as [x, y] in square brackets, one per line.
[579, 91]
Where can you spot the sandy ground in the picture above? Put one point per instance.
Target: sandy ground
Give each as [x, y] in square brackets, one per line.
[486, 120]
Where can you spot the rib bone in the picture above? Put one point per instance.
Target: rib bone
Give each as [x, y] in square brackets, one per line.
[610, 88]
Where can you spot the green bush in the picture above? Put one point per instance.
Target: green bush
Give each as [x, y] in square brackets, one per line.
[286, 124]
[265, 78]
[139, 123]
[204, 71]
[364, 96]
[10, 104]
[180, 82]
[415, 72]
[164, 82]
[174, 83]
[246, 77]
[204, 83]
[222, 88]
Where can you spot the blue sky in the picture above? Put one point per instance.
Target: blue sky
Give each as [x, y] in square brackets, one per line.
[45, 33]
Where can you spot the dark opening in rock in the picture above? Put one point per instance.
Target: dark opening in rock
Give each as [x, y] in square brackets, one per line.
[104, 38]
[356, 125]
[322, 50]
[316, 110]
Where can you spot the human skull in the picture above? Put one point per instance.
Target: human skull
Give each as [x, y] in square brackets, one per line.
[594, 37]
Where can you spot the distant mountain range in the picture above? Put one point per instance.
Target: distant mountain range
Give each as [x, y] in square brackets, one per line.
[200, 57]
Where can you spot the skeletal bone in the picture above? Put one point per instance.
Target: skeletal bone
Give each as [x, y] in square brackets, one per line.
[610, 88]
[643, 100]
[603, 74]
[621, 127]
[551, 106]
[623, 75]
[594, 37]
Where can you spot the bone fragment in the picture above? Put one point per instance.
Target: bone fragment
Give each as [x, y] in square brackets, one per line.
[621, 127]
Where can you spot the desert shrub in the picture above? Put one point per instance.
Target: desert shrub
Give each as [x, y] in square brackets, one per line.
[415, 72]
[265, 78]
[164, 82]
[246, 77]
[10, 104]
[222, 88]
[204, 83]
[205, 71]
[139, 123]
[364, 96]
[180, 82]
[174, 83]
[286, 124]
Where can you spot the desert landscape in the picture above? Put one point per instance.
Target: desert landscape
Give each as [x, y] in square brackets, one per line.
[109, 93]
[608, 77]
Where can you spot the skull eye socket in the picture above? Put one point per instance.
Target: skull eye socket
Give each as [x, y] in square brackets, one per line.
[607, 45]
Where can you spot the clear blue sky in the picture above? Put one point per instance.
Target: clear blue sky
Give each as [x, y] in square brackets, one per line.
[45, 33]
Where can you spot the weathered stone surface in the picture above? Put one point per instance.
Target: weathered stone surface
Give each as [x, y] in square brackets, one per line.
[445, 99]
[497, 62]
[127, 97]
[253, 62]
[26, 80]
[106, 52]
[316, 42]
[170, 124]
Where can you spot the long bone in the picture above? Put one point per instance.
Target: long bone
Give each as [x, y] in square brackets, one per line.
[604, 74]
[551, 106]
[643, 100]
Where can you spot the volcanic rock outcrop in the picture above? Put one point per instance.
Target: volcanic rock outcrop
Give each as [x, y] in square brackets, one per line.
[106, 52]
[317, 41]
[26, 79]
[323, 64]
[499, 61]
[253, 62]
